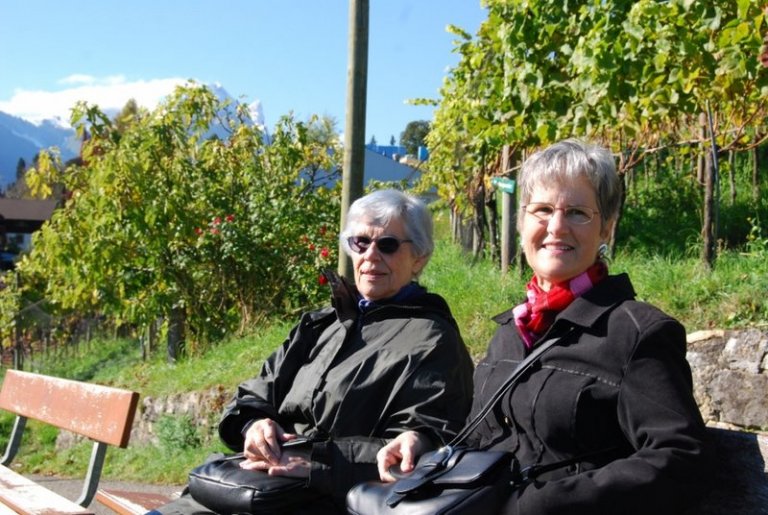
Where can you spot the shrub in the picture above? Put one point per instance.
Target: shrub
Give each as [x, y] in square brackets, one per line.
[177, 433]
[190, 209]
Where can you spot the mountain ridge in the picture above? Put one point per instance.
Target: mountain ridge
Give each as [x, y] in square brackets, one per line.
[23, 139]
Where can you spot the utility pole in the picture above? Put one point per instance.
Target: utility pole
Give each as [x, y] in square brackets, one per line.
[354, 128]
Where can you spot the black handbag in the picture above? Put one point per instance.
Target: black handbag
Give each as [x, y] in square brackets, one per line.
[447, 481]
[222, 486]
[453, 480]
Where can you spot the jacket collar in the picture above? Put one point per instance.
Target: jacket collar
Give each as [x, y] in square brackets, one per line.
[345, 299]
[603, 297]
[586, 309]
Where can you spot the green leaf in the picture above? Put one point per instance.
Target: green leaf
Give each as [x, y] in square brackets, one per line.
[742, 8]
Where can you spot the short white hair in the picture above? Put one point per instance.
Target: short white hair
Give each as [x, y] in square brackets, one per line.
[382, 206]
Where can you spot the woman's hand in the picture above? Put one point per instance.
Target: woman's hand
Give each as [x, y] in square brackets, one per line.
[403, 450]
[263, 441]
[291, 464]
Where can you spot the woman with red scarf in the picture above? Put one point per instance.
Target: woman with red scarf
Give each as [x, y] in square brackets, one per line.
[612, 400]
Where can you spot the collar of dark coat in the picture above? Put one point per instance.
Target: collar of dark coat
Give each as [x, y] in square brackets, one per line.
[585, 310]
[344, 299]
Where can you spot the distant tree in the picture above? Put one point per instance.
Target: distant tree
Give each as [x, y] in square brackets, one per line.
[21, 168]
[373, 141]
[127, 116]
[322, 132]
[392, 141]
[18, 188]
[414, 135]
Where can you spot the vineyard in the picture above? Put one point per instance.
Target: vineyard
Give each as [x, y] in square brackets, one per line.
[676, 89]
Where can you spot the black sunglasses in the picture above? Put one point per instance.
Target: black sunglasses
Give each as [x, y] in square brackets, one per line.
[385, 244]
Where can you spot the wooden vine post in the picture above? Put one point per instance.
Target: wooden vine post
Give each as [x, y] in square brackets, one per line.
[506, 185]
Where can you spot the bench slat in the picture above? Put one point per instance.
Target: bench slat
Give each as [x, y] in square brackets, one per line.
[99, 412]
[131, 503]
[29, 498]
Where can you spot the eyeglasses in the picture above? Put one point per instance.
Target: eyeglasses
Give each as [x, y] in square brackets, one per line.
[578, 215]
[385, 244]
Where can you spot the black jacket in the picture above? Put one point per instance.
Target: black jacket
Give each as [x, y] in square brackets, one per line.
[617, 381]
[359, 379]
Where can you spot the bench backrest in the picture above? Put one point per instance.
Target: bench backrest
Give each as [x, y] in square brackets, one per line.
[739, 481]
[102, 413]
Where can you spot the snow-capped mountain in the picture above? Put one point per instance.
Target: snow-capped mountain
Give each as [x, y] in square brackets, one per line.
[254, 108]
[22, 139]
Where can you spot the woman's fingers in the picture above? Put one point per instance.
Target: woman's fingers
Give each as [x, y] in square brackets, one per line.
[254, 465]
[262, 441]
[401, 451]
[291, 466]
[408, 458]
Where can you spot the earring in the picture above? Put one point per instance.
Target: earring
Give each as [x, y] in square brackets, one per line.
[602, 251]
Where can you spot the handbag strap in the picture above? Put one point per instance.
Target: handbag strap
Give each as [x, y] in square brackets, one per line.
[508, 383]
[531, 472]
[444, 458]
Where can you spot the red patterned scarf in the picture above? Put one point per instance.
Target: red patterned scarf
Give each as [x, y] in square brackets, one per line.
[537, 314]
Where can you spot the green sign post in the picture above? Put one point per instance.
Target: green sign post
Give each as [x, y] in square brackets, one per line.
[503, 184]
[508, 215]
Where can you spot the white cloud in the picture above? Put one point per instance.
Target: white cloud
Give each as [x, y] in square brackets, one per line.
[78, 78]
[109, 93]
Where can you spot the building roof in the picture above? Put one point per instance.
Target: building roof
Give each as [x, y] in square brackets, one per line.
[24, 215]
[381, 168]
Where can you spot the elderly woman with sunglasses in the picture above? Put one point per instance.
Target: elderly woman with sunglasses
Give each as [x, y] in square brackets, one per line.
[385, 358]
[609, 406]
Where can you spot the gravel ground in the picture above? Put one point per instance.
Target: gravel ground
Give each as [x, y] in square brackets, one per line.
[71, 489]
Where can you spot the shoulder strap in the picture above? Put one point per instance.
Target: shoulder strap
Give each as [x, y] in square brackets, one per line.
[511, 380]
[533, 471]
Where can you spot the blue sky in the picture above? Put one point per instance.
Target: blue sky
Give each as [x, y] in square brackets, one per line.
[289, 55]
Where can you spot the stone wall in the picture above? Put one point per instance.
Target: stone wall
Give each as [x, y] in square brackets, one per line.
[202, 407]
[730, 377]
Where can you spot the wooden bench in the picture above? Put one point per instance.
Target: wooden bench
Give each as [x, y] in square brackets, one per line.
[101, 413]
[127, 502]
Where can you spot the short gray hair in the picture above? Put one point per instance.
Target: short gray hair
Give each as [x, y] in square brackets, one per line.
[382, 206]
[567, 161]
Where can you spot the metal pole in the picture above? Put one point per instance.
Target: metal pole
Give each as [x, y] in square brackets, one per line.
[354, 130]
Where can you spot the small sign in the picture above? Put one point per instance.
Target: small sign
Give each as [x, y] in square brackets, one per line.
[503, 184]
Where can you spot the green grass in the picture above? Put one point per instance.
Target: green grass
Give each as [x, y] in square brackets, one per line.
[475, 291]
[730, 296]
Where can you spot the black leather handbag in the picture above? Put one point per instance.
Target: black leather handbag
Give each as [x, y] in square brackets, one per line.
[446, 481]
[452, 480]
[222, 486]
